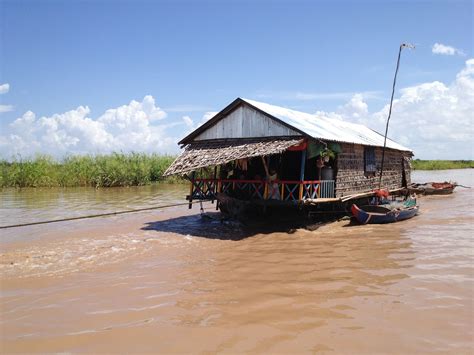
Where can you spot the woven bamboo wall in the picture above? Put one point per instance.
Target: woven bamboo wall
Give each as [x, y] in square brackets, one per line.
[350, 177]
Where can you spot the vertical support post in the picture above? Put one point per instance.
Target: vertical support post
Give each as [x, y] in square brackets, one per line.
[190, 205]
[303, 164]
[265, 165]
[218, 186]
[214, 184]
[302, 167]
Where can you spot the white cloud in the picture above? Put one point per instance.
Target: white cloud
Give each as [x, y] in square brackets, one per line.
[442, 49]
[188, 122]
[191, 125]
[6, 108]
[356, 107]
[4, 88]
[207, 116]
[433, 119]
[130, 127]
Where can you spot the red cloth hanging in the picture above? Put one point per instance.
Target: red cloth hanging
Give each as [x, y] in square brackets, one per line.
[299, 147]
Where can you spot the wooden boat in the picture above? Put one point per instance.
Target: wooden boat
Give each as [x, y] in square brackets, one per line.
[434, 188]
[383, 214]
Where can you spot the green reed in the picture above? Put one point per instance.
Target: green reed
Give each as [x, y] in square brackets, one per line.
[441, 164]
[116, 169]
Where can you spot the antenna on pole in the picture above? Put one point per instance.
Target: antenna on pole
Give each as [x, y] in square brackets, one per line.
[403, 45]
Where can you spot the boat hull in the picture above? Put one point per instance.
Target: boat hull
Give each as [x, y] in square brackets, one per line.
[388, 216]
[434, 188]
[443, 191]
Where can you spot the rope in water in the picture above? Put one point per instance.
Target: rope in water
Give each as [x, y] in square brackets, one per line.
[98, 215]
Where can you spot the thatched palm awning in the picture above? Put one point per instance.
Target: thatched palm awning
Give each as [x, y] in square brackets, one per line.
[203, 154]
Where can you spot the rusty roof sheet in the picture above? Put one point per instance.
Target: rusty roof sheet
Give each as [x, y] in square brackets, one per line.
[202, 154]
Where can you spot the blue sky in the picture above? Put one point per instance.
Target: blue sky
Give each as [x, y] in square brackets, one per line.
[195, 57]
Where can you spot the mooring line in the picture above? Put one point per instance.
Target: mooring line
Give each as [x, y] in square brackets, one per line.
[96, 215]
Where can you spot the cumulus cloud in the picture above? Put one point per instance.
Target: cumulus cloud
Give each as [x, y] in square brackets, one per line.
[356, 107]
[4, 88]
[442, 49]
[191, 125]
[434, 119]
[131, 127]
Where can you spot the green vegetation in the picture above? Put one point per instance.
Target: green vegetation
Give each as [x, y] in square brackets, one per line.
[441, 164]
[116, 169]
[119, 169]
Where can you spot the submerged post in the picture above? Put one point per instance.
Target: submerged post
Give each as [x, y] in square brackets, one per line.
[403, 45]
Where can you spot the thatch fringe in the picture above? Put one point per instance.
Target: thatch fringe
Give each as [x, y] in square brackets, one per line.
[211, 153]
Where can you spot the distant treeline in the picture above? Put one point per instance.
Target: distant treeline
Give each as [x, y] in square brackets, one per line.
[116, 169]
[441, 164]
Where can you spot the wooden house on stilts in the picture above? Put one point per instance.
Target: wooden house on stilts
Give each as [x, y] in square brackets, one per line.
[261, 153]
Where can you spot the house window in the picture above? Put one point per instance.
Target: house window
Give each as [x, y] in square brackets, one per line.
[369, 162]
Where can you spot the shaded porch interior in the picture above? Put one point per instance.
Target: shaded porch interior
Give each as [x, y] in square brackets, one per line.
[287, 177]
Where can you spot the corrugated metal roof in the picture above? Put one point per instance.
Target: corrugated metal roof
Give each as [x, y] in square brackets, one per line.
[326, 128]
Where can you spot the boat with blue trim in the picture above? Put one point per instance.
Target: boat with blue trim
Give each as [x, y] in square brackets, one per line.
[379, 214]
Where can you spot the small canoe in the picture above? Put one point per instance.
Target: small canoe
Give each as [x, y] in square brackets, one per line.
[435, 188]
[380, 214]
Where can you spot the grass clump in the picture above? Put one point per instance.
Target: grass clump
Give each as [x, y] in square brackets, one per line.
[441, 164]
[117, 169]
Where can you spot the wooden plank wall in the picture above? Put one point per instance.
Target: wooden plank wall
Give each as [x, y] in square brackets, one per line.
[245, 122]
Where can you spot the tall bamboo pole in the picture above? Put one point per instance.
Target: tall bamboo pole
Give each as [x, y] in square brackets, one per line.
[403, 45]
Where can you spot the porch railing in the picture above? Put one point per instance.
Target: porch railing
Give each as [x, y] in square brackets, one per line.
[284, 190]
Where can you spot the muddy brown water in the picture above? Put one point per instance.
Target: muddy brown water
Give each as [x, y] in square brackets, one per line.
[163, 281]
